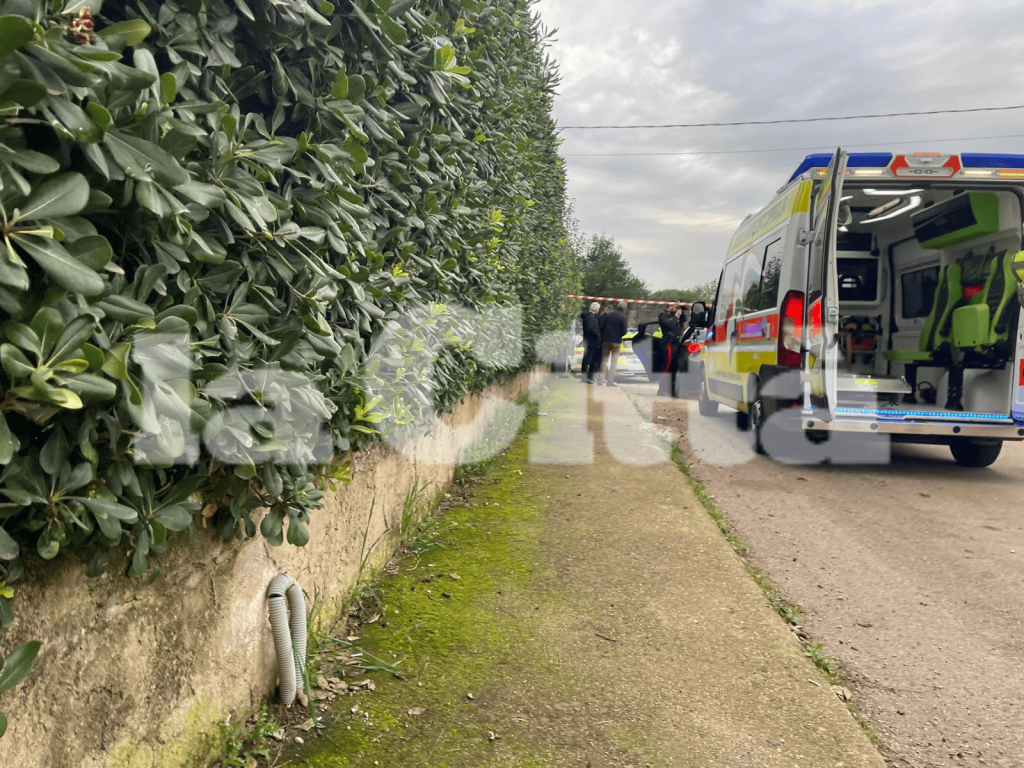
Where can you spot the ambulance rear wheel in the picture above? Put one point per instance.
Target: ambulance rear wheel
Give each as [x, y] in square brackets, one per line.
[755, 421]
[705, 404]
[974, 453]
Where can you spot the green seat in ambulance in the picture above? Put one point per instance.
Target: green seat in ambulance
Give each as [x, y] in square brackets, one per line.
[938, 325]
[984, 323]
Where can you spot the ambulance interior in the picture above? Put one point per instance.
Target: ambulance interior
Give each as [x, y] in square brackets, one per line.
[927, 297]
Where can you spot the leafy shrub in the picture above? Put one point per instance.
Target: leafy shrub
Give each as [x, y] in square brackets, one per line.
[201, 198]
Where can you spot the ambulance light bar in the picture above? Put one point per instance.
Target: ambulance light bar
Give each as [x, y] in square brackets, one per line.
[918, 165]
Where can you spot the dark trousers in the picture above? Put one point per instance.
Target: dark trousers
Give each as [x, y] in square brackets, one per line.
[591, 360]
[674, 363]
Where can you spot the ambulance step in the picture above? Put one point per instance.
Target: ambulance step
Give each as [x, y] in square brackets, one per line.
[919, 413]
[879, 385]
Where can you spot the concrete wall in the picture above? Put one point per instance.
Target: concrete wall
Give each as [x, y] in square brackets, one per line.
[137, 674]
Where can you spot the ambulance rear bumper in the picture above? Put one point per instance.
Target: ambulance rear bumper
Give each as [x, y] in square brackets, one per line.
[947, 429]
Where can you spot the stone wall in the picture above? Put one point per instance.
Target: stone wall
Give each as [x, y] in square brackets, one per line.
[133, 673]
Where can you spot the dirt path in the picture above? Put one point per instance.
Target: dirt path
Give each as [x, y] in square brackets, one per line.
[598, 618]
[912, 573]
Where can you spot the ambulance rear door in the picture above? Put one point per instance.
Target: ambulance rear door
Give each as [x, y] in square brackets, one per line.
[821, 321]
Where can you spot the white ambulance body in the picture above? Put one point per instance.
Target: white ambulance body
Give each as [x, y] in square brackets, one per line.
[876, 299]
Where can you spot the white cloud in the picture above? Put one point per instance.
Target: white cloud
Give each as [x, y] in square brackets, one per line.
[658, 61]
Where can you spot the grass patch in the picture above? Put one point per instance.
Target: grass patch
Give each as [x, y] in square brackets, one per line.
[454, 627]
[245, 745]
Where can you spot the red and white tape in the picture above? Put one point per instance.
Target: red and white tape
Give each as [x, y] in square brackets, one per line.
[628, 301]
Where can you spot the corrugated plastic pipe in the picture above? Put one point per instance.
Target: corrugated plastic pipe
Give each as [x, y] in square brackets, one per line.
[289, 632]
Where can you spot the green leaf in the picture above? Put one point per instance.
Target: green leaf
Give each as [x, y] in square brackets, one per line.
[14, 362]
[16, 666]
[65, 195]
[15, 31]
[298, 536]
[59, 396]
[207, 195]
[91, 388]
[159, 533]
[81, 475]
[61, 266]
[395, 31]
[175, 517]
[144, 160]
[124, 310]
[3, 725]
[356, 88]
[94, 356]
[133, 31]
[24, 93]
[99, 115]
[111, 509]
[444, 58]
[8, 546]
[9, 443]
[47, 546]
[168, 87]
[109, 526]
[340, 88]
[24, 337]
[34, 162]
[116, 364]
[400, 7]
[47, 325]
[71, 338]
[74, 119]
[92, 251]
[98, 201]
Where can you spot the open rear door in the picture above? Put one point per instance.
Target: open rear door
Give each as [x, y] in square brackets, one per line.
[821, 324]
[1018, 362]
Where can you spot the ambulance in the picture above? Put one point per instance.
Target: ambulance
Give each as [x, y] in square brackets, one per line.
[876, 299]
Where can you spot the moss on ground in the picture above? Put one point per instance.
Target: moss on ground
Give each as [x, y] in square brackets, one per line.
[460, 620]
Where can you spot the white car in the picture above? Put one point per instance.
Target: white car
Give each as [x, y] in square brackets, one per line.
[629, 364]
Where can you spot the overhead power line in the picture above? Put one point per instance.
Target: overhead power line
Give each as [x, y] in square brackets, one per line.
[793, 120]
[786, 149]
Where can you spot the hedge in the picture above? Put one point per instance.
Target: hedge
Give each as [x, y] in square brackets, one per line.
[201, 199]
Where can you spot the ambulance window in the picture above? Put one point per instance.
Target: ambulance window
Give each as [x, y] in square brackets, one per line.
[750, 283]
[918, 292]
[858, 279]
[730, 291]
[765, 294]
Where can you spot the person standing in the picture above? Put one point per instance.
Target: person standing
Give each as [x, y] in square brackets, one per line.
[671, 337]
[591, 343]
[612, 330]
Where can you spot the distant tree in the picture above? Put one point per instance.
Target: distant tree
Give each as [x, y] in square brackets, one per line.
[704, 292]
[606, 273]
[669, 294]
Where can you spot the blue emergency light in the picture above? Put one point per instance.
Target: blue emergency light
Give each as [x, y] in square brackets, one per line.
[883, 160]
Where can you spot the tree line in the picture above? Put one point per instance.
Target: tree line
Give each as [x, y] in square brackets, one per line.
[604, 271]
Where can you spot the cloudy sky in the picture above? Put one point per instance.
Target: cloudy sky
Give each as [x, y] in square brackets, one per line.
[686, 61]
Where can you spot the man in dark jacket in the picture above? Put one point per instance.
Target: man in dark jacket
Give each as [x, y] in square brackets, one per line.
[613, 328]
[591, 344]
[672, 338]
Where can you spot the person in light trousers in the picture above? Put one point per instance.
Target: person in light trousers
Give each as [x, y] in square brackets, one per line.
[613, 328]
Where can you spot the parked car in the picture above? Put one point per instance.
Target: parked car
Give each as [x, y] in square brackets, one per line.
[629, 363]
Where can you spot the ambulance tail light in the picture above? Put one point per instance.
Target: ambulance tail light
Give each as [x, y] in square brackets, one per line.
[791, 322]
[693, 348]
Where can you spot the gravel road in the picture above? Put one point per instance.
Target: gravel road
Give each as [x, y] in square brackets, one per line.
[911, 572]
